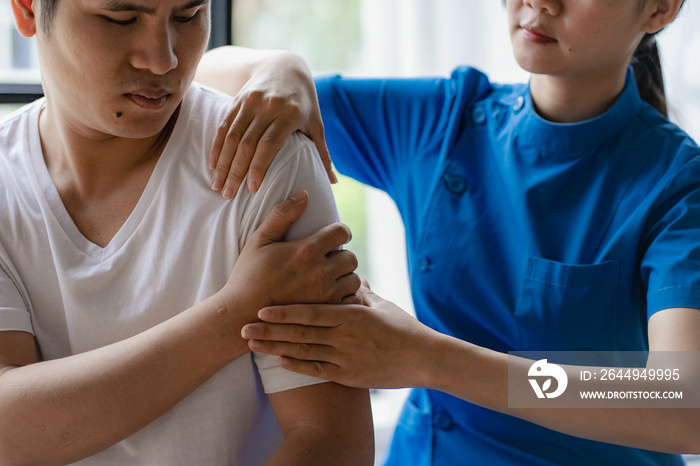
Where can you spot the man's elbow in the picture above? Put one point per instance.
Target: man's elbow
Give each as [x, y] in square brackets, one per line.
[350, 447]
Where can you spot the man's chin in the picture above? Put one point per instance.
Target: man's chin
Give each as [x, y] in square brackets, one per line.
[131, 127]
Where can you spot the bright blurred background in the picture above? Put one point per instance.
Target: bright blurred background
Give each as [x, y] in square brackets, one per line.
[394, 38]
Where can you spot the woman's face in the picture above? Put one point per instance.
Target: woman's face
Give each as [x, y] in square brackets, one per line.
[576, 38]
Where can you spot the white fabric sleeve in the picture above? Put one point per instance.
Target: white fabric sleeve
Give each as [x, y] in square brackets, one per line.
[297, 166]
[14, 315]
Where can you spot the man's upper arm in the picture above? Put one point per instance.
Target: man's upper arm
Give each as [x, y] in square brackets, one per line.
[330, 423]
[296, 167]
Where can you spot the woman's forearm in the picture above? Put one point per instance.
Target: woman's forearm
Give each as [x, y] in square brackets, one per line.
[229, 68]
[480, 376]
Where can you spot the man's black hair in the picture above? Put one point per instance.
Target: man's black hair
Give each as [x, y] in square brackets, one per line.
[48, 8]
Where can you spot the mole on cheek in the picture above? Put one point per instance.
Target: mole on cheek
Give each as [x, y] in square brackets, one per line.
[118, 114]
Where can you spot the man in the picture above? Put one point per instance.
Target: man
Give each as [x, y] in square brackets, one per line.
[119, 331]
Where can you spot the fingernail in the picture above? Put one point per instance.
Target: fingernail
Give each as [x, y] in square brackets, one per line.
[254, 344]
[228, 192]
[216, 184]
[265, 314]
[247, 332]
[252, 185]
[212, 165]
[298, 197]
[334, 178]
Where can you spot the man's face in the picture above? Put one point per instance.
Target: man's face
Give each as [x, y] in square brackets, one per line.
[121, 67]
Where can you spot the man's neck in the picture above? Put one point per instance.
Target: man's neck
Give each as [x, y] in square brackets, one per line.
[100, 178]
[93, 162]
[570, 100]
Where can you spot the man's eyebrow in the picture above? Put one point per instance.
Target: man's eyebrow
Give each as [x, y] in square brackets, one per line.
[116, 5]
[193, 4]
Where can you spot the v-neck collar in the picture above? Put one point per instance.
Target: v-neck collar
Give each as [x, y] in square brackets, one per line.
[52, 199]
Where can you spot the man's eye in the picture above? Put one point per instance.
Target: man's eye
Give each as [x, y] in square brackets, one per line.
[120, 22]
[185, 19]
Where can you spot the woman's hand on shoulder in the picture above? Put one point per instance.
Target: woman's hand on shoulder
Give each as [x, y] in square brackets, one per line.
[278, 98]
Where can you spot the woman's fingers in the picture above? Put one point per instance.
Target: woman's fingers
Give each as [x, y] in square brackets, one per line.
[220, 140]
[239, 157]
[323, 370]
[269, 143]
[317, 315]
[316, 133]
[228, 148]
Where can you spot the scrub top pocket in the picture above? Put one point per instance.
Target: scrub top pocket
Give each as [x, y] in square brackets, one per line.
[566, 307]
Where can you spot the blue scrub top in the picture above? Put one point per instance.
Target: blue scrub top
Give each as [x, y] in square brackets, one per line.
[522, 235]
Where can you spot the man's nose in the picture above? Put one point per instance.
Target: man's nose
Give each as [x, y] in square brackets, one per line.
[155, 51]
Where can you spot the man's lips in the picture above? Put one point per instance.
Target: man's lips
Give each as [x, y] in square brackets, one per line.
[149, 100]
[534, 35]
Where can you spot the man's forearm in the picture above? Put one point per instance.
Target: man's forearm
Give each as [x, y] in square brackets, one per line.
[62, 410]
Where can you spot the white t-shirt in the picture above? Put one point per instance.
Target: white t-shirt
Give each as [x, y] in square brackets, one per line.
[178, 247]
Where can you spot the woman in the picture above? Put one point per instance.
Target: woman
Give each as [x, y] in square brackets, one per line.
[559, 215]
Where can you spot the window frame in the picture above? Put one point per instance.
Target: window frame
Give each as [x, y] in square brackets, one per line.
[221, 34]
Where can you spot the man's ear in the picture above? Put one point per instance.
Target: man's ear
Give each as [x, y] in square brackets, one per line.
[25, 19]
[664, 12]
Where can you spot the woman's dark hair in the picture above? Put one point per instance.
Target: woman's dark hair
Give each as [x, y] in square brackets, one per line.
[647, 71]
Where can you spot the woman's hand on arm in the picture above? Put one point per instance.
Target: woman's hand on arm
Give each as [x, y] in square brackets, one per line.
[370, 345]
[380, 346]
[274, 96]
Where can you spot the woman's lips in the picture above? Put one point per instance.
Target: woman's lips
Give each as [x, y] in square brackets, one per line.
[533, 35]
[147, 102]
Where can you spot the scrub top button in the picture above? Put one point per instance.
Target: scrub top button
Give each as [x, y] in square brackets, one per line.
[455, 183]
[479, 116]
[423, 264]
[519, 102]
[443, 421]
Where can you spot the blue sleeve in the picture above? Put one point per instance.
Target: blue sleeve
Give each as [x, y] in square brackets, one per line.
[375, 128]
[671, 263]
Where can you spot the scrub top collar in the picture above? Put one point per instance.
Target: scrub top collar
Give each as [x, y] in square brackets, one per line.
[581, 137]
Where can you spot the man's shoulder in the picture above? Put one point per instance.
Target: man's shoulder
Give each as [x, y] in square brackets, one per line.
[207, 104]
[298, 152]
[10, 124]
[19, 139]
